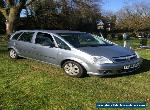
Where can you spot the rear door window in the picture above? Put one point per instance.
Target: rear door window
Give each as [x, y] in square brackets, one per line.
[26, 36]
[44, 39]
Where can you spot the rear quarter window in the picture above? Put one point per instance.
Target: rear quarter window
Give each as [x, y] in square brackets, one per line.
[26, 36]
[16, 36]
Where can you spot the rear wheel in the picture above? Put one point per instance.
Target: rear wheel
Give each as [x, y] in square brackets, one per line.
[73, 69]
[13, 54]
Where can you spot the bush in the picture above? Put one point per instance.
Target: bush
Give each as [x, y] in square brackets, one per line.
[132, 34]
[120, 37]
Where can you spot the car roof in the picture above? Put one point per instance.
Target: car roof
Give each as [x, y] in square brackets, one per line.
[51, 31]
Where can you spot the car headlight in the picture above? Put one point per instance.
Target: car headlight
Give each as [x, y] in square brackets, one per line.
[101, 60]
[137, 54]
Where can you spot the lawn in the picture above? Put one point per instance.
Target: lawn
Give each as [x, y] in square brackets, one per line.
[32, 85]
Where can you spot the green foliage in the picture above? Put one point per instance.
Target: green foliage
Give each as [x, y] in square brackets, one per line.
[119, 37]
[132, 34]
[51, 14]
[1, 3]
[63, 14]
[2, 24]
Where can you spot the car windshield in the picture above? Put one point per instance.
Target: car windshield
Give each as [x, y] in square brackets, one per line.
[84, 40]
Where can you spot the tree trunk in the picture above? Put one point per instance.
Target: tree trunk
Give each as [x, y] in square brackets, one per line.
[11, 20]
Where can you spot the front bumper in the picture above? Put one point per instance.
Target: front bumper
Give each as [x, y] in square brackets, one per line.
[114, 68]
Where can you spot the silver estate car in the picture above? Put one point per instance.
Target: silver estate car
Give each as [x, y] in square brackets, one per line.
[78, 53]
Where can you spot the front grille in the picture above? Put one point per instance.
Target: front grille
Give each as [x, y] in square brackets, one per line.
[125, 58]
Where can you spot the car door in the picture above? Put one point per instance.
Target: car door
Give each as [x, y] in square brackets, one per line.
[24, 44]
[44, 48]
[64, 51]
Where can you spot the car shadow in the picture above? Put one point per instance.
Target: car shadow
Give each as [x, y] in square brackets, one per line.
[3, 51]
[143, 68]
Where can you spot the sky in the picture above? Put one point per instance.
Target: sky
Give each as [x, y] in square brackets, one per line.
[116, 5]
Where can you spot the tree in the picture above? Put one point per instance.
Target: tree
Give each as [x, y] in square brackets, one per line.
[66, 14]
[52, 14]
[109, 19]
[2, 23]
[135, 17]
[11, 10]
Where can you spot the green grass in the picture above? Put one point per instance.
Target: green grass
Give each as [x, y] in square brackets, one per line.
[32, 85]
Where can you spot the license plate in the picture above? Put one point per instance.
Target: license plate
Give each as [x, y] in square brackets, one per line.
[131, 66]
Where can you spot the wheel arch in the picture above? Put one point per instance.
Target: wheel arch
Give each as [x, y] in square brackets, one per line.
[83, 64]
[9, 48]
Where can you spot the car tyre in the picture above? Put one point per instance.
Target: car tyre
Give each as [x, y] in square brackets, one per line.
[73, 69]
[13, 54]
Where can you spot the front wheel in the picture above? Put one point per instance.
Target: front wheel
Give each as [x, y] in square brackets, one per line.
[73, 69]
[13, 54]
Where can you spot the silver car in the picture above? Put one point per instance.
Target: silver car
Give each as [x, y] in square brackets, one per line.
[78, 53]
